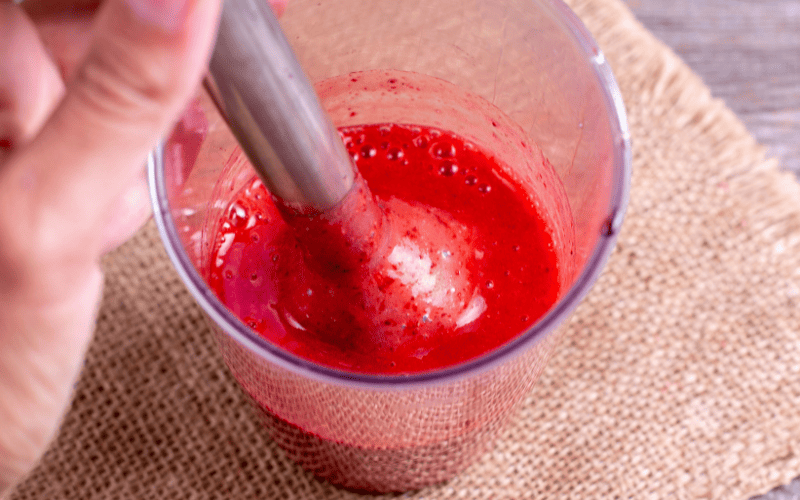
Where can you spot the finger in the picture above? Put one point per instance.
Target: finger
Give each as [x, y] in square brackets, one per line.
[144, 63]
[30, 86]
[64, 27]
[39, 9]
[66, 39]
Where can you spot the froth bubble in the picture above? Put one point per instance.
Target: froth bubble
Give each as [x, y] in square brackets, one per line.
[442, 149]
[448, 168]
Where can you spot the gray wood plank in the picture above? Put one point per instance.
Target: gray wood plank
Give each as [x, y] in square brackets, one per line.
[748, 52]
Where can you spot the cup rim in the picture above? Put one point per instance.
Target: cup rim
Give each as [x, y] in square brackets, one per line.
[592, 269]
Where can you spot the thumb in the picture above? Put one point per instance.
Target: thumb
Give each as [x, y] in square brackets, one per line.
[144, 63]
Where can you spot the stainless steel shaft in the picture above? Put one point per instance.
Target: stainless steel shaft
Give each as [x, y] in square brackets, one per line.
[272, 109]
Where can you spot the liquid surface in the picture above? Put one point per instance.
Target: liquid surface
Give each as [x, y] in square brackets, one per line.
[465, 264]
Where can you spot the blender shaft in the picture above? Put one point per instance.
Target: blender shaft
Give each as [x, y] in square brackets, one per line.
[267, 100]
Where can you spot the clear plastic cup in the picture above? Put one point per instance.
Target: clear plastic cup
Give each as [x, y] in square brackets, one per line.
[536, 67]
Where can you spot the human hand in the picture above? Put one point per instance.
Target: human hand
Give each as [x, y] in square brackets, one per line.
[72, 182]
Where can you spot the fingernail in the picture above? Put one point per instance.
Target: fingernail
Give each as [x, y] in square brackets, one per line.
[168, 15]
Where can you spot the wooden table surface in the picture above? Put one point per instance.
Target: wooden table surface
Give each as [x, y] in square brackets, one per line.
[748, 53]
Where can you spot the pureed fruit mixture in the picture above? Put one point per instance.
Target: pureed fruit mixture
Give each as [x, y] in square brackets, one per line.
[469, 253]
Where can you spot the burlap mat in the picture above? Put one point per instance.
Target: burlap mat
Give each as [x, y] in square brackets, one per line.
[679, 377]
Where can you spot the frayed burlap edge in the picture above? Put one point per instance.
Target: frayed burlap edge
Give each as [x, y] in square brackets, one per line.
[762, 196]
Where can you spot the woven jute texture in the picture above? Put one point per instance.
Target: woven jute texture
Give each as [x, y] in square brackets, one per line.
[678, 377]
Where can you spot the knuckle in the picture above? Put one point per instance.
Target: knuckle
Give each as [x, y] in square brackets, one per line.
[121, 81]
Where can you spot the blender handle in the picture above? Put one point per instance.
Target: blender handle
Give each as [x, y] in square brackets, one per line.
[265, 97]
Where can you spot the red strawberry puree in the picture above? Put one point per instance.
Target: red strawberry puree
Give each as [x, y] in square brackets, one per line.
[455, 259]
